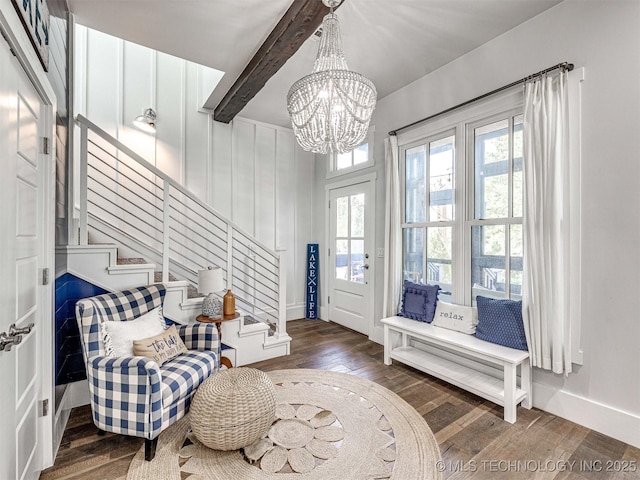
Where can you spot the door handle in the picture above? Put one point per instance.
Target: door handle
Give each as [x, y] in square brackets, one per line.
[366, 266]
[8, 341]
[13, 330]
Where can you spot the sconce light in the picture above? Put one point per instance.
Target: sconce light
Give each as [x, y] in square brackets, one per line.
[147, 121]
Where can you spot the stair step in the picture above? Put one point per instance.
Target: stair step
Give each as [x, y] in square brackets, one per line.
[130, 261]
[157, 277]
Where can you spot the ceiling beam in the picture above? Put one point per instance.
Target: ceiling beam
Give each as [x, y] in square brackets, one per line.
[298, 23]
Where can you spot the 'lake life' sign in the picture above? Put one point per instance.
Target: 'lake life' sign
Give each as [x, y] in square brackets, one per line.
[311, 311]
[35, 18]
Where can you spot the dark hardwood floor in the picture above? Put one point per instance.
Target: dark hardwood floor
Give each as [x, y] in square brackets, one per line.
[474, 440]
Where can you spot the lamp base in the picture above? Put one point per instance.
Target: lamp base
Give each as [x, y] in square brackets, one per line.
[212, 306]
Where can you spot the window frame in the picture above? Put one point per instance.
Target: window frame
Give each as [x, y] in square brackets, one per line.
[333, 171]
[457, 123]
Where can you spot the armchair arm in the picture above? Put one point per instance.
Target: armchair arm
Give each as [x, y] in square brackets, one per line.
[199, 336]
[126, 395]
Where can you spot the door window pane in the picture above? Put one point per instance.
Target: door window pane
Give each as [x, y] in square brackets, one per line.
[357, 215]
[342, 217]
[441, 179]
[413, 250]
[357, 261]
[415, 185]
[342, 259]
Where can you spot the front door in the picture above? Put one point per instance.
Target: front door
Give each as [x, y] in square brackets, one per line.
[21, 252]
[350, 259]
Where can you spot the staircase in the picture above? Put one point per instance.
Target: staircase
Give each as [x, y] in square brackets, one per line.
[138, 226]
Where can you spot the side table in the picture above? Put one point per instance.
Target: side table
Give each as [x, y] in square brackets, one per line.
[218, 321]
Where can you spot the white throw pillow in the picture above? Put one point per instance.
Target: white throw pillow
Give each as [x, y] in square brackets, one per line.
[456, 317]
[119, 336]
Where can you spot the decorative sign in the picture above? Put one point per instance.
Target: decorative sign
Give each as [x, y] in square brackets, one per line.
[311, 311]
[35, 18]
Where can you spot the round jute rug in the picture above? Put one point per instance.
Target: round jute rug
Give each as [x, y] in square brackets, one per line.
[328, 425]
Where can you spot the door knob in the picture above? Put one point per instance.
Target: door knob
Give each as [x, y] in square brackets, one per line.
[366, 266]
[8, 341]
[13, 331]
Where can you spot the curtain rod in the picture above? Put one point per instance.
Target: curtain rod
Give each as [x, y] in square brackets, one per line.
[564, 65]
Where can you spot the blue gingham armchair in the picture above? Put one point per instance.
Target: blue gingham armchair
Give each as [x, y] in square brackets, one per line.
[133, 395]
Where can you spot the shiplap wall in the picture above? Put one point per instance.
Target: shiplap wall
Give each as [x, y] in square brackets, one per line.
[57, 75]
[251, 172]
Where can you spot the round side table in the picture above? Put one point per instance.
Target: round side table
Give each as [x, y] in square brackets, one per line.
[218, 321]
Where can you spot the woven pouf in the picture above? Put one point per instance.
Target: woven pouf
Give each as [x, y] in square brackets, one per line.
[233, 408]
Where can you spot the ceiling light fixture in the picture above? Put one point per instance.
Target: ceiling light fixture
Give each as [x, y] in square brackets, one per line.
[147, 121]
[330, 109]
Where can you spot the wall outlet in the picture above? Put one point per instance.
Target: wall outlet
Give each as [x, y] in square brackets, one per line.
[380, 253]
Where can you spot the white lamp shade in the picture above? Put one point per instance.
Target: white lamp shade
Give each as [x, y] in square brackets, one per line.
[210, 280]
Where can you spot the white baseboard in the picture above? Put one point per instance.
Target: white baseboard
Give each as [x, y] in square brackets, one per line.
[294, 312]
[623, 426]
[77, 394]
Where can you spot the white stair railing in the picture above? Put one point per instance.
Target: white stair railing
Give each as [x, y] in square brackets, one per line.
[126, 198]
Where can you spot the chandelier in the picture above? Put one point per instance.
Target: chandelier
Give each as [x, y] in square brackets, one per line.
[331, 108]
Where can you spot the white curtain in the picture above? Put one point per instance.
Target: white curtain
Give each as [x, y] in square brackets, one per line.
[545, 223]
[393, 231]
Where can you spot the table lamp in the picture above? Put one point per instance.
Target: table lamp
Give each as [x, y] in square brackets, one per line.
[209, 282]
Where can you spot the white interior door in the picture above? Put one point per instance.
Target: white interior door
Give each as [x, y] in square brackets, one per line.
[350, 256]
[22, 220]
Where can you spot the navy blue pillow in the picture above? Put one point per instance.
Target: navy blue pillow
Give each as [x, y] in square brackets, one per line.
[500, 321]
[419, 301]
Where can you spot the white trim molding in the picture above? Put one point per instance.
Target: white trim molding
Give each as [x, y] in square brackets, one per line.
[616, 423]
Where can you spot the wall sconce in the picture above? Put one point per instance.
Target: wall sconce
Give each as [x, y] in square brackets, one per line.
[147, 121]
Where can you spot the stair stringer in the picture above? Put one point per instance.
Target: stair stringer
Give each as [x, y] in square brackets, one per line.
[97, 264]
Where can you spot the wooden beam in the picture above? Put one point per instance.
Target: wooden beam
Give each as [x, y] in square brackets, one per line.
[299, 22]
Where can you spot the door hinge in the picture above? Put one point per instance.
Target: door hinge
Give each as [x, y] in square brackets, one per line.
[328, 252]
[45, 276]
[44, 407]
[45, 145]
[329, 203]
[328, 299]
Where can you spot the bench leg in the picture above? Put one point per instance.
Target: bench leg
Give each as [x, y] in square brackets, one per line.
[525, 379]
[387, 346]
[510, 392]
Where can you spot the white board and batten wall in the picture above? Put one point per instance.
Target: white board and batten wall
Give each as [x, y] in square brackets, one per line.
[253, 173]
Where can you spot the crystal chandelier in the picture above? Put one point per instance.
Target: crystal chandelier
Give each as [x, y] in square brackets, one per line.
[331, 108]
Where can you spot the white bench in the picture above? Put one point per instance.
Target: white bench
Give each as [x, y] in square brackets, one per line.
[480, 367]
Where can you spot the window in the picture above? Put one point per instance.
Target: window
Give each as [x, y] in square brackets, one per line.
[462, 208]
[496, 228]
[357, 159]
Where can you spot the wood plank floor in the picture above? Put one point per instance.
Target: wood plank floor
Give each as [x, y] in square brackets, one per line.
[474, 440]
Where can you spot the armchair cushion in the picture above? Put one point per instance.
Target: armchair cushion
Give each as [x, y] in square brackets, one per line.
[199, 336]
[182, 375]
[119, 335]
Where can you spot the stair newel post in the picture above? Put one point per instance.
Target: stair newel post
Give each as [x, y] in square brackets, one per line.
[282, 292]
[166, 230]
[229, 256]
[84, 147]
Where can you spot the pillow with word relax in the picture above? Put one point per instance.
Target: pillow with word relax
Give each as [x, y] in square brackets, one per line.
[456, 317]
[162, 347]
[119, 336]
[419, 301]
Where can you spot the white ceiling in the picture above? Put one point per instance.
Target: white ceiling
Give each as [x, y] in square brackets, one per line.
[392, 42]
